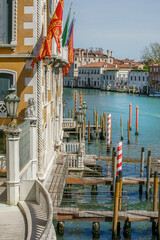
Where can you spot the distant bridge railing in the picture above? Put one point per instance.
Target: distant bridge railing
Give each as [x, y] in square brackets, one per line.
[68, 123]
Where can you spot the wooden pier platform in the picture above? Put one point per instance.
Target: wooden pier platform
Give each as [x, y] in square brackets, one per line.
[105, 181]
[74, 214]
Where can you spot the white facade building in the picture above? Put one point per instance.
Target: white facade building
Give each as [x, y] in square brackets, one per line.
[138, 79]
[85, 57]
[114, 78]
[91, 75]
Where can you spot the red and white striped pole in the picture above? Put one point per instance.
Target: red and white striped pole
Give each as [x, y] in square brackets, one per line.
[108, 132]
[80, 98]
[130, 115]
[119, 157]
[137, 111]
[75, 102]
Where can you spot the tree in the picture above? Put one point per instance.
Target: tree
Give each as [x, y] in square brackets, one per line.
[151, 54]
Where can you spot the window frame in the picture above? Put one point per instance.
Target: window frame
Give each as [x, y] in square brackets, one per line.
[13, 42]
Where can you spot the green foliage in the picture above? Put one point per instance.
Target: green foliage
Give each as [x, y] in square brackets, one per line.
[111, 70]
[140, 70]
[151, 54]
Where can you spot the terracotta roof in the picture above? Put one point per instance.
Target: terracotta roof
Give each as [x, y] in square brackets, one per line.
[98, 64]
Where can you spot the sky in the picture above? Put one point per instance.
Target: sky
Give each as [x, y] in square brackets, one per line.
[125, 27]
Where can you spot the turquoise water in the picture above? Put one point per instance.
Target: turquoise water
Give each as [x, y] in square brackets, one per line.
[149, 136]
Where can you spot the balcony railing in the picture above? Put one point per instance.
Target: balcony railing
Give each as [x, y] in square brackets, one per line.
[68, 123]
[3, 110]
[70, 147]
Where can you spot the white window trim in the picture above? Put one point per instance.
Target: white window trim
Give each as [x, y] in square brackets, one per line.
[13, 42]
[14, 85]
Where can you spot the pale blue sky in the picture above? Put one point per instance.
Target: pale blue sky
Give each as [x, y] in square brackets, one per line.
[123, 26]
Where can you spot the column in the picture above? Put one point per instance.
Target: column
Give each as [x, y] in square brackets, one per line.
[33, 146]
[12, 157]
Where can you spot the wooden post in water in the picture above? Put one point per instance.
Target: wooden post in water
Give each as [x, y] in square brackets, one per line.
[75, 102]
[94, 116]
[155, 193]
[101, 121]
[115, 213]
[69, 112]
[80, 98]
[89, 131]
[121, 128]
[76, 124]
[72, 114]
[97, 122]
[120, 190]
[130, 115]
[120, 199]
[114, 170]
[141, 170]
[137, 109]
[159, 215]
[148, 190]
[129, 133]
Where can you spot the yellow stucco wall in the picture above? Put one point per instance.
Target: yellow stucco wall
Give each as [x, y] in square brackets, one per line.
[18, 65]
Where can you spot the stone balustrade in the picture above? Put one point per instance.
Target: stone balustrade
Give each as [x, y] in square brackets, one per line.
[71, 147]
[68, 123]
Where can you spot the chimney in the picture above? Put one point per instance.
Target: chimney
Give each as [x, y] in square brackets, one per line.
[87, 52]
[111, 53]
[108, 53]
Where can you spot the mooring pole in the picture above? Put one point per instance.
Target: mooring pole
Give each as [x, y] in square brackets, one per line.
[120, 190]
[75, 102]
[114, 171]
[72, 114]
[141, 170]
[148, 175]
[94, 116]
[97, 122]
[137, 110]
[130, 115]
[89, 131]
[69, 112]
[159, 215]
[115, 213]
[121, 128]
[129, 133]
[109, 132]
[80, 98]
[155, 193]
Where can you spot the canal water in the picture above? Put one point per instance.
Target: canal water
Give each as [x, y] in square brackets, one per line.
[149, 137]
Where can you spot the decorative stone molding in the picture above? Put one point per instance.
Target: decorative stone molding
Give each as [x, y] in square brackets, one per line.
[30, 111]
[14, 25]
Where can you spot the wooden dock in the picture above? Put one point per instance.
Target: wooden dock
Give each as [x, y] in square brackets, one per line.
[105, 181]
[74, 214]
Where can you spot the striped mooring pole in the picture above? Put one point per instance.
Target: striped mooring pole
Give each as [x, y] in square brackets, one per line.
[80, 98]
[137, 110]
[108, 131]
[130, 115]
[75, 102]
[119, 157]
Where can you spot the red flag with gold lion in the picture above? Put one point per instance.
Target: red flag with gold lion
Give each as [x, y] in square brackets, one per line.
[54, 30]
